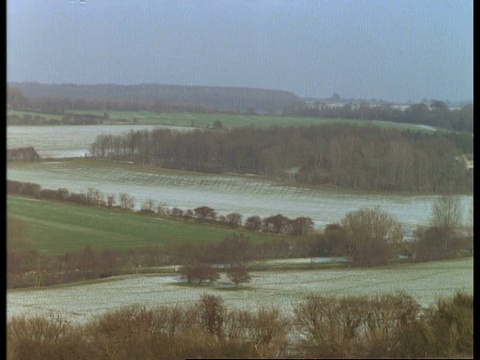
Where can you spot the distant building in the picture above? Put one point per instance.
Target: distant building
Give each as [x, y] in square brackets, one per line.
[467, 160]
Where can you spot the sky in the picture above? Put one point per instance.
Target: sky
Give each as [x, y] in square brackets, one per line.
[394, 50]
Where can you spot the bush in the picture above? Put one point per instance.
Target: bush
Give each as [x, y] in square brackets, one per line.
[450, 325]
[44, 338]
[353, 326]
[435, 243]
[386, 326]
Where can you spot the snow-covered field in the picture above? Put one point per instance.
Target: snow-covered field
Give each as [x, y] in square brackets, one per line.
[226, 193]
[248, 196]
[79, 303]
[68, 141]
[245, 195]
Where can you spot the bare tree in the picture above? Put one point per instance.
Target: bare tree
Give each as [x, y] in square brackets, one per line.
[253, 223]
[238, 274]
[370, 234]
[94, 196]
[435, 243]
[111, 200]
[233, 220]
[446, 213]
[162, 209]
[301, 226]
[234, 249]
[212, 314]
[204, 271]
[148, 205]
[126, 201]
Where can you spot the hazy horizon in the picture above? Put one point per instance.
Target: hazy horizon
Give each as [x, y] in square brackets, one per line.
[397, 51]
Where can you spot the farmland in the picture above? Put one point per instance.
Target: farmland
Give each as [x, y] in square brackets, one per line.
[67, 141]
[202, 120]
[82, 302]
[56, 228]
[225, 193]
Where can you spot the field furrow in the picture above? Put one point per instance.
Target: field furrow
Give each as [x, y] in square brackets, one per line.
[225, 193]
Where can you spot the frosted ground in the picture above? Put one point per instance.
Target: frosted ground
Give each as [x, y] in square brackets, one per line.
[247, 196]
[228, 193]
[68, 141]
[79, 303]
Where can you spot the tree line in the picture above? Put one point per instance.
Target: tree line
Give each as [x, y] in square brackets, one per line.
[436, 114]
[346, 156]
[56, 98]
[277, 224]
[367, 237]
[376, 326]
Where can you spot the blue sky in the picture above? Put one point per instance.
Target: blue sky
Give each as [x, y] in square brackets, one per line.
[396, 50]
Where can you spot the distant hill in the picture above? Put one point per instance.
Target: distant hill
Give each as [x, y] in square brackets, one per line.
[218, 98]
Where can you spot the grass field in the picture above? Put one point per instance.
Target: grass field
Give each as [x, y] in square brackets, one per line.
[229, 121]
[56, 227]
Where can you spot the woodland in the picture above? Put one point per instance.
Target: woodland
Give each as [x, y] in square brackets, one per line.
[345, 156]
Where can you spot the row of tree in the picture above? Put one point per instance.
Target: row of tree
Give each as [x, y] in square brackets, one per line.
[197, 262]
[56, 98]
[376, 326]
[277, 224]
[436, 114]
[367, 237]
[347, 156]
[228, 100]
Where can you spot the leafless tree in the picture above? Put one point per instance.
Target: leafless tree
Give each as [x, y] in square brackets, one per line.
[238, 274]
[148, 204]
[370, 235]
[111, 200]
[234, 220]
[446, 213]
[126, 201]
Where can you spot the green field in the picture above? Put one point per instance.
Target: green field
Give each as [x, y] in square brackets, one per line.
[56, 227]
[201, 120]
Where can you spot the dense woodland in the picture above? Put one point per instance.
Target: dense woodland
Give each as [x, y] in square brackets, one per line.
[56, 97]
[346, 156]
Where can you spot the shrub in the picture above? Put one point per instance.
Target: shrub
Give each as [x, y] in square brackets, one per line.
[450, 326]
[212, 314]
[353, 326]
[44, 338]
[385, 326]
[435, 243]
